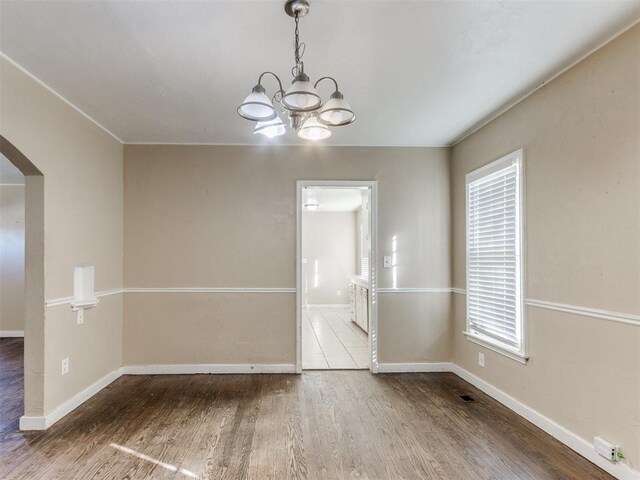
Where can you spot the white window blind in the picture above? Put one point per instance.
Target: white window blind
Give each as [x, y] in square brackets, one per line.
[494, 284]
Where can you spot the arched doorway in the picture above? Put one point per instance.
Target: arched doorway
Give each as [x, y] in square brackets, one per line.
[33, 309]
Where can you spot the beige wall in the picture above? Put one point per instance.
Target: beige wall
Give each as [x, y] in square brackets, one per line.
[581, 140]
[11, 258]
[330, 239]
[192, 218]
[82, 167]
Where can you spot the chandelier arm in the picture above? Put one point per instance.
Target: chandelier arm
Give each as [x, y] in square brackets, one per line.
[281, 91]
[327, 78]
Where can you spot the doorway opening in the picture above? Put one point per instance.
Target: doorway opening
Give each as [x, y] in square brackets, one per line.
[336, 287]
[21, 286]
[12, 224]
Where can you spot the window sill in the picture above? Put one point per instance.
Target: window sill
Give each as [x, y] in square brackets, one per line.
[491, 344]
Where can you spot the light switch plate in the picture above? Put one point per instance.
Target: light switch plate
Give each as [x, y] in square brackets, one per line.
[80, 316]
[386, 261]
[481, 359]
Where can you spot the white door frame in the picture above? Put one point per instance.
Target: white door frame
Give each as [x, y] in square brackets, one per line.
[373, 256]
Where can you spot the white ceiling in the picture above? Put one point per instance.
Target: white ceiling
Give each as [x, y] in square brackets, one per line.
[9, 175]
[333, 199]
[415, 72]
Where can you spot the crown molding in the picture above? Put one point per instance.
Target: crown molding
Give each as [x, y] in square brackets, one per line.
[512, 103]
[51, 90]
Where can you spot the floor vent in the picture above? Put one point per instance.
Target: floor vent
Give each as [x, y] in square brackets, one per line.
[467, 398]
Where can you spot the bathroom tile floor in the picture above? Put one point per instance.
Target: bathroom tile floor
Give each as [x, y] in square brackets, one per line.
[330, 340]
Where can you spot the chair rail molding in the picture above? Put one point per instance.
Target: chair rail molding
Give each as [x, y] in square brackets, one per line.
[67, 300]
[626, 318]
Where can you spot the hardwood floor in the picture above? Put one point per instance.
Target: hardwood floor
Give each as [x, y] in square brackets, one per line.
[319, 425]
[11, 385]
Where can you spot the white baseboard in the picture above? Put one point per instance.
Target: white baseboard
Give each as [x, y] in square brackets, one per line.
[44, 422]
[11, 333]
[414, 367]
[33, 423]
[570, 439]
[190, 369]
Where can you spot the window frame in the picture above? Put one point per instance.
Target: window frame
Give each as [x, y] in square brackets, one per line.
[516, 353]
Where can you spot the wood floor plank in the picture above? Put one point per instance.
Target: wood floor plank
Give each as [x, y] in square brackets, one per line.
[319, 425]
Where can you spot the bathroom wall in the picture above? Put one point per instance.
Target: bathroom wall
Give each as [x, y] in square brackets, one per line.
[329, 249]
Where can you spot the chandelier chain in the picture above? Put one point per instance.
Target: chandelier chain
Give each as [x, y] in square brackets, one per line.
[297, 40]
[299, 48]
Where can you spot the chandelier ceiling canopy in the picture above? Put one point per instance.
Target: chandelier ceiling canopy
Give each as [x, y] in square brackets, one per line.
[308, 116]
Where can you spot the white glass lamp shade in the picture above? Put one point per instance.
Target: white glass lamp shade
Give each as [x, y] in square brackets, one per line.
[301, 96]
[313, 130]
[336, 112]
[270, 128]
[257, 107]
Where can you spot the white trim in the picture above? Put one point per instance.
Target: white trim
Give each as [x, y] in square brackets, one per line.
[494, 166]
[570, 439]
[415, 290]
[298, 278]
[68, 300]
[11, 333]
[44, 422]
[415, 367]
[509, 105]
[51, 90]
[373, 288]
[58, 301]
[626, 318]
[106, 293]
[210, 290]
[492, 344]
[191, 369]
[12, 184]
[33, 423]
[327, 305]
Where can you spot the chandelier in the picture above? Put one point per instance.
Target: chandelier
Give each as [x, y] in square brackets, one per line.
[308, 116]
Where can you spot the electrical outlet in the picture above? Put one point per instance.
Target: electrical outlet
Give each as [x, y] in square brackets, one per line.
[81, 316]
[607, 449]
[481, 359]
[339, 292]
[65, 366]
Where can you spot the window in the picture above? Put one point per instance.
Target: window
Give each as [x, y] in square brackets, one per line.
[494, 256]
